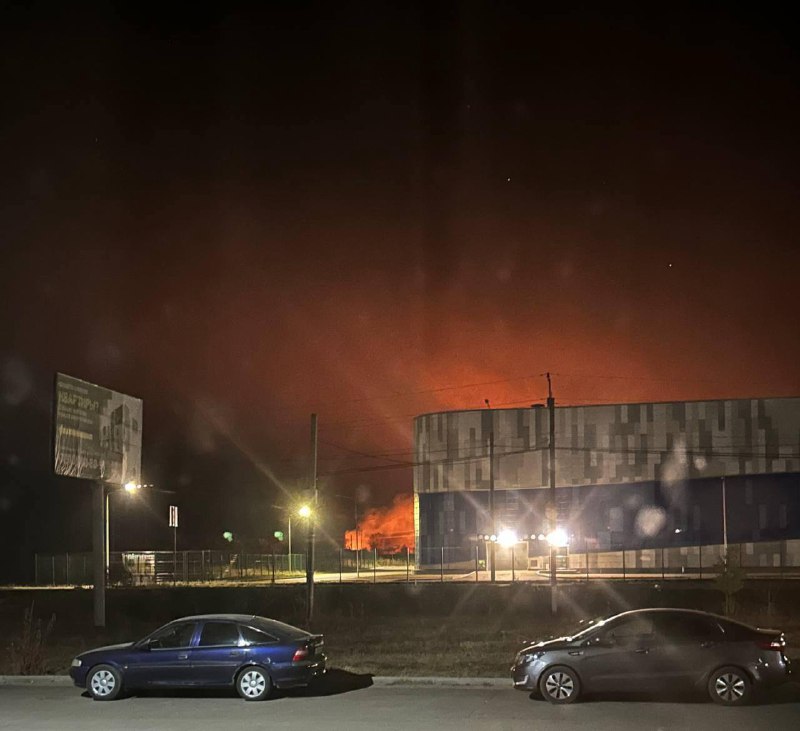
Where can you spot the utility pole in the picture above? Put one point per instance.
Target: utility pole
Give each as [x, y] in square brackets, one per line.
[724, 522]
[99, 534]
[492, 516]
[551, 407]
[312, 483]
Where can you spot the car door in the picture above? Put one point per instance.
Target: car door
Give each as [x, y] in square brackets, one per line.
[617, 658]
[164, 658]
[689, 647]
[219, 652]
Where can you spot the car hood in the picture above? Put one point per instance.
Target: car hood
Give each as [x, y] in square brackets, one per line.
[107, 648]
[553, 644]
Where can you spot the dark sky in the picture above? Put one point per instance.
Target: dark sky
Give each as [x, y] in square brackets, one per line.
[245, 216]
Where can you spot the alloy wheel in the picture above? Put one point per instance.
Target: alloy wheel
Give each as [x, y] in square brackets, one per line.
[730, 687]
[103, 683]
[559, 686]
[252, 683]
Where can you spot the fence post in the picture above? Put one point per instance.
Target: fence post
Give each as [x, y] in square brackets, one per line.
[441, 567]
[273, 567]
[586, 551]
[513, 568]
[53, 569]
[623, 564]
[700, 559]
[663, 568]
[340, 565]
[476, 562]
[374, 565]
[67, 561]
[408, 564]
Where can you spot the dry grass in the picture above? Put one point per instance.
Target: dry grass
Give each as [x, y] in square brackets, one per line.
[28, 652]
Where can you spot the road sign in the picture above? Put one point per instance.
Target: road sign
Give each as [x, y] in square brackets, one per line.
[173, 516]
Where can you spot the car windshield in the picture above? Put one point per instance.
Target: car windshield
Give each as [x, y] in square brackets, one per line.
[586, 626]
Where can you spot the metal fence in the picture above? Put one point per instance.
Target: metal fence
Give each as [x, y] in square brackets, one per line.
[141, 568]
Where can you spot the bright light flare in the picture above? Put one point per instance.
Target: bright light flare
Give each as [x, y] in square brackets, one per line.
[507, 538]
[558, 538]
[131, 487]
[304, 511]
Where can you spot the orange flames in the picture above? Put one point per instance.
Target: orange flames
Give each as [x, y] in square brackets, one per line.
[388, 529]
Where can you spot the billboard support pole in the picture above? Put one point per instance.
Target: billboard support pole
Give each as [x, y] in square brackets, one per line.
[312, 484]
[99, 552]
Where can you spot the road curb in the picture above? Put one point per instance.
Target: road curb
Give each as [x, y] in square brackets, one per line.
[380, 681]
[441, 682]
[35, 680]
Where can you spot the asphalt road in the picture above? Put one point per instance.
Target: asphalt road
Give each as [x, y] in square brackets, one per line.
[378, 707]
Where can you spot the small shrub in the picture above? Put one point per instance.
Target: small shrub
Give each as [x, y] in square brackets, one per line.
[729, 580]
[27, 652]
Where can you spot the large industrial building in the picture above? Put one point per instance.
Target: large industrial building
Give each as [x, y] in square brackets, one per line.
[629, 477]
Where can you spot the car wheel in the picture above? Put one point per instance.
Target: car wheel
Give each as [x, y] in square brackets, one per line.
[730, 686]
[559, 684]
[253, 684]
[104, 683]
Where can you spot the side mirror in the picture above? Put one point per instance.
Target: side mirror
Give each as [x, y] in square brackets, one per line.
[143, 645]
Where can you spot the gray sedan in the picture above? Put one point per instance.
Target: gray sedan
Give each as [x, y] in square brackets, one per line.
[656, 650]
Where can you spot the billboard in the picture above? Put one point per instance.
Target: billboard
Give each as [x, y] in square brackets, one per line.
[97, 432]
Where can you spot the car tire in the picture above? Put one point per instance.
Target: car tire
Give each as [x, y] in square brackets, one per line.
[104, 683]
[560, 685]
[730, 686]
[253, 683]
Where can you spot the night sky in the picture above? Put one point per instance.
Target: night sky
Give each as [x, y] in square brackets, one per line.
[371, 211]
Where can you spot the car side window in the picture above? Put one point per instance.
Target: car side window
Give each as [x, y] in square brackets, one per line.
[176, 635]
[219, 633]
[687, 628]
[631, 630]
[251, 636]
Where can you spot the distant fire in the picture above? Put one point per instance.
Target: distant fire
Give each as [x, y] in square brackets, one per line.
[387, 529]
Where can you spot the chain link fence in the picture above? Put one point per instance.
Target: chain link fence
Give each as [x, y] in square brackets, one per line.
[470, 563]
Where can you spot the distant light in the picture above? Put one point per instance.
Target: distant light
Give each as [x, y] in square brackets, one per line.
[493, 538]
[678, 530]
[541, 536]
[228, 536]
[131, 487]
[304, 511]
[558, 538]
[507, 538]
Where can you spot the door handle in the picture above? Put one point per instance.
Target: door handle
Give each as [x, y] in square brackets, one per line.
[234, 653]
[183, 656]
[642, 650]
[575, 652]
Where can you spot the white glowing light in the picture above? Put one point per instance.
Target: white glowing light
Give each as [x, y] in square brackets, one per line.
[131, 487]
[558, 538]
[507, 538]
[304, 511]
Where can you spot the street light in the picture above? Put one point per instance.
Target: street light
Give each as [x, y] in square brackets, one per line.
[304, 511]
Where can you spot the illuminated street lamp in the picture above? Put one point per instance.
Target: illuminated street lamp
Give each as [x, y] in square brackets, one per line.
[558, 538]
[507, 538]
[304, 511]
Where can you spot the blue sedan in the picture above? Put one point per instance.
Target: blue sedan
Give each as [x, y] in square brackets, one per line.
[252, 654]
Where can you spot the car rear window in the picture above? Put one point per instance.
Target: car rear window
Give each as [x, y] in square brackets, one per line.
[252, 636]
[279, 629]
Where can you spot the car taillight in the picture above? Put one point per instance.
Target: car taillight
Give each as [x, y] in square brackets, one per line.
[776, 644]
[300, 654]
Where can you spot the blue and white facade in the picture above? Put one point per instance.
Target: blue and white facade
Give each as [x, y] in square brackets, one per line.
[628, 476]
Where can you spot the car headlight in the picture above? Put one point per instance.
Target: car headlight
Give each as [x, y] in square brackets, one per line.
[76, 663]
[523, 658]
